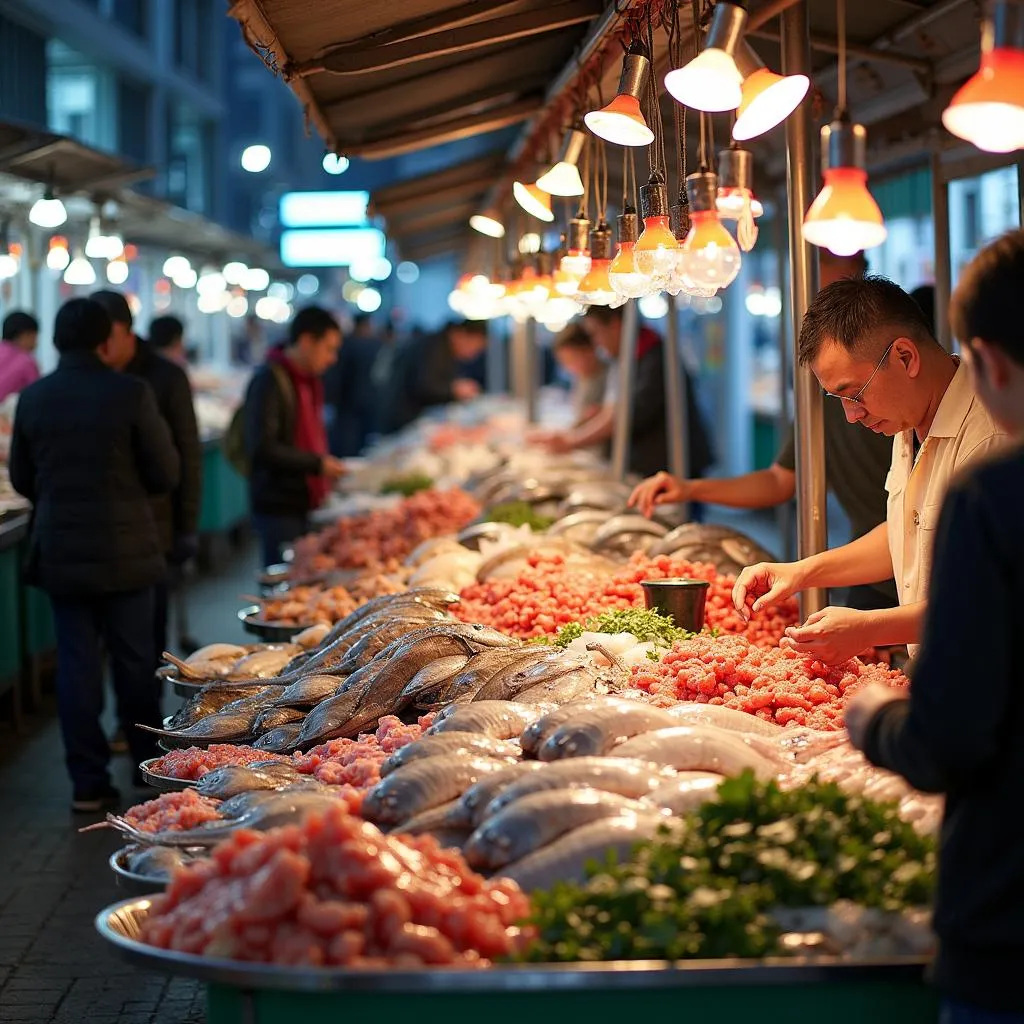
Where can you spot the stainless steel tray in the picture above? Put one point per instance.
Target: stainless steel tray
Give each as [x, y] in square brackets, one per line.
[129, 880]
[164, 783]
[252, 623]
[120, 924]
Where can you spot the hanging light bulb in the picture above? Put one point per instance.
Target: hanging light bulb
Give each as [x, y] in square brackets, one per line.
[844, 218]
[735, 200]
[657, 248]
[533, 200]
[563, 179]
[626, 280]
[595, 288]
[712, 81]
[117, 270]
[622, 121]
[988, 110]
[488, 223]
[96, 243]
[80, 271]
[48, 211]
[576, 260]
[57, 255]
[768, 98]
[711, 257]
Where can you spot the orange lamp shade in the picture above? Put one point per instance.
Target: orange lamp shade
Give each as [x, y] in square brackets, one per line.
[768, 99]
[595, 288]
[621, 122]
[844, 218]
[988, 110]
[535, 201]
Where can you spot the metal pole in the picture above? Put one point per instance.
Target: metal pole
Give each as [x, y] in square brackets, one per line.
[518, 363]
[621, 441]
[531, 369]
[812, 528]
[677, 413]
[943, 263]
[783, 422]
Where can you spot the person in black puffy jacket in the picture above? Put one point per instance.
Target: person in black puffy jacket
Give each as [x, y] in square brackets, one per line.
[89, 449]
[177, 513]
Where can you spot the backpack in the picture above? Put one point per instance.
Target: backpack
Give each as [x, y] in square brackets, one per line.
[233, 442]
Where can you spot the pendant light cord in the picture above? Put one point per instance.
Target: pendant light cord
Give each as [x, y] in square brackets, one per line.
[841, 32]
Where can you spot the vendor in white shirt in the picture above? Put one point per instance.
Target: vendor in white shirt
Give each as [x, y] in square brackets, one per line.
[871, 349]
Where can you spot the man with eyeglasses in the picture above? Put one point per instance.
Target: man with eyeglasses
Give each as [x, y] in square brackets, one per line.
[856, 464]
[873, 352]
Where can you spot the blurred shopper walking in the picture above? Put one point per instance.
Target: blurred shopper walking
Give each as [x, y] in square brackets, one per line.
[289, 468]
[18, 366]
[350, 392]
[177, 513]
[89, 450]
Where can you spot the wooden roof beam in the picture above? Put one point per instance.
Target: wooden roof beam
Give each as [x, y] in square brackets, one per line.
[362, 56]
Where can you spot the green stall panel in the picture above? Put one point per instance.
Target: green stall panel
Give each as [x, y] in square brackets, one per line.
[225, 501]
[10, 616]
[766, 441]
[724, 1002]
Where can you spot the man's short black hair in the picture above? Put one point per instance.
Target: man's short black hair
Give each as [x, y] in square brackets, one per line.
[924, 296]
[860, 314]
[18, 323]
[82, 325]
[603, 314]
[312, 320]
[166, 331]
[470, 326]
[987, 303]
[573, 337]
[116, 306]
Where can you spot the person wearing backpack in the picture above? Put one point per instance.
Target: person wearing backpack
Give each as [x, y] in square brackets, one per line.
[285, 442]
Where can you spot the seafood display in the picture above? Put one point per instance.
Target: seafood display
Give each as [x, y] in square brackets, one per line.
[489, 750]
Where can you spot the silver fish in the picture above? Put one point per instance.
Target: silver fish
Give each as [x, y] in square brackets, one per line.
[156, 862]
[222, 727]
[722, 718]
[422, 785]
[453, 743]
[499, 719]
[511, 680]
[469, 811]
[631, 778]
[363, 652]
[534, 735]
[308, 691]
[539, 819]
[567, 857]
[274, 717]
[428, 821]
[431, 676]
[231, 779]
[328, 719]
[570, 685]
[596, 731]
[699, 748]
[686, 792]
[280, 739]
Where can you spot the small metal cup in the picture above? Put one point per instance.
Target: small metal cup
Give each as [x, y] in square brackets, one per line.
[681, 600]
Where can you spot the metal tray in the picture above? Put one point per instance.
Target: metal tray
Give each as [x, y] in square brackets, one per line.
[120, 924]
[164, 783]
[252, 623]
[140, 885]
[184, 687]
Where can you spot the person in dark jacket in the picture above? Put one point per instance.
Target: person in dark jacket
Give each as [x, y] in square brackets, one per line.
[89, 449]
[942, 740]
[426, 372]
[167, 336]
[177, 514]
[649, 438]
[285, 438]
[350, 394]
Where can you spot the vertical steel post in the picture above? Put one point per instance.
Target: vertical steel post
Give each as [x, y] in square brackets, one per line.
[621, 440]
[812, 528]
[677, 413]
[784, 420]
[531, 370]
[518, 371]
[943, 263]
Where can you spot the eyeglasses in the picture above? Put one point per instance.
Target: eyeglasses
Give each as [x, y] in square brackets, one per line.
[858, 399]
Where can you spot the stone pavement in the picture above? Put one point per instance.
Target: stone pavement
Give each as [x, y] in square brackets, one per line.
[54, 968]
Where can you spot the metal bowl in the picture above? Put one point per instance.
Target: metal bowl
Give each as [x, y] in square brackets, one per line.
[266, 630]
[121, 925]
[164, 783]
